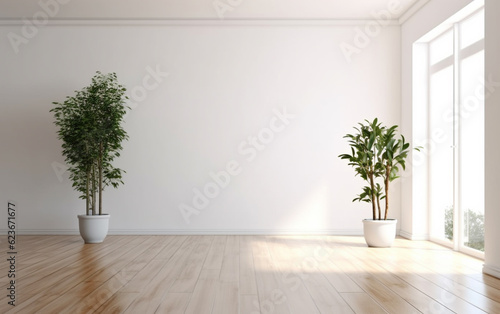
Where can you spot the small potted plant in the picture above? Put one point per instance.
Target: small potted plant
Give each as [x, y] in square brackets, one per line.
[377, 154]
[90, 128]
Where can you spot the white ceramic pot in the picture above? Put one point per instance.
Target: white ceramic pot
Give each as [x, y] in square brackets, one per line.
[379, 233]
[93, 228]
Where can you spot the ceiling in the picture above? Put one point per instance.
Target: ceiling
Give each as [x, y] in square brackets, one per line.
[210, 9]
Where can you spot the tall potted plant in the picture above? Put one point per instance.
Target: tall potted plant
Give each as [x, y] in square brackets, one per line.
[91, 131]
[377, 154]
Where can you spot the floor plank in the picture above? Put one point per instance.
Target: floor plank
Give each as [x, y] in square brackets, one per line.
[216, 253]
[245, 274]
[248, 304]
[117, 304]
[291, 270]
[361, 303]
[203, 297]
[247, 281]
[174, 303]
[226, 298]
[153, 294]
[192, 266]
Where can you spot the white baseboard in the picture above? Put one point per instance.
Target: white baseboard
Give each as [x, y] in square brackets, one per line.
[491, 270]
[413, 237]
[237, 232]
[344, 232]
[42, 232]
[337, 232]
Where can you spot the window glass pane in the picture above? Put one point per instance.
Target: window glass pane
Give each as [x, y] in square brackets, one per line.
[456, 134]
[472, 30]
[441, 153]
[472, 149]
[441, 47]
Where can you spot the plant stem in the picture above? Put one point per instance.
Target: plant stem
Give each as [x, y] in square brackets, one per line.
[378, 206]
[87, 194]
[386, 185]
[99, 164]
[372, 185]
[93, 190]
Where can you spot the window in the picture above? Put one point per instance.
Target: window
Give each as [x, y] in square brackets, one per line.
[455, 81]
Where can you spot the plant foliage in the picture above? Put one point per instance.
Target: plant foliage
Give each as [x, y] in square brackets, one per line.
[376, 153]
[90, 128]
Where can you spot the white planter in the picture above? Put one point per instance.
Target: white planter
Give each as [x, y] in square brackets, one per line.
[379, 233]
[93, 228]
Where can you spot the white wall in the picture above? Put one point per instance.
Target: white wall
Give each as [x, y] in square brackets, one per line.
[492, 145]
[414, 223]
[224, 83]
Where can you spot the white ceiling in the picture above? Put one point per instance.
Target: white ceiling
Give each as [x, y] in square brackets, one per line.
[205, 9]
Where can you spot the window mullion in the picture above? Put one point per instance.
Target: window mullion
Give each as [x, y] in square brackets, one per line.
[457, 212]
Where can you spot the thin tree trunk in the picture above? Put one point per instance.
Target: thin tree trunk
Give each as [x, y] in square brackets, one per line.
[372, 185]
[100, 178]
[378, 206]
[87, 194]
[386, 185]
[93, 191]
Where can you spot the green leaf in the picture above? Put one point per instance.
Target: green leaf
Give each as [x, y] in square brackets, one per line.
[372, 140]
[88, 122]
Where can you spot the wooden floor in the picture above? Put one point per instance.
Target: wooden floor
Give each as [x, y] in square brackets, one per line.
[244, 274]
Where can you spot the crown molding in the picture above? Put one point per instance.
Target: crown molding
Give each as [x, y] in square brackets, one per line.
[412, 10]
[196, 22]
